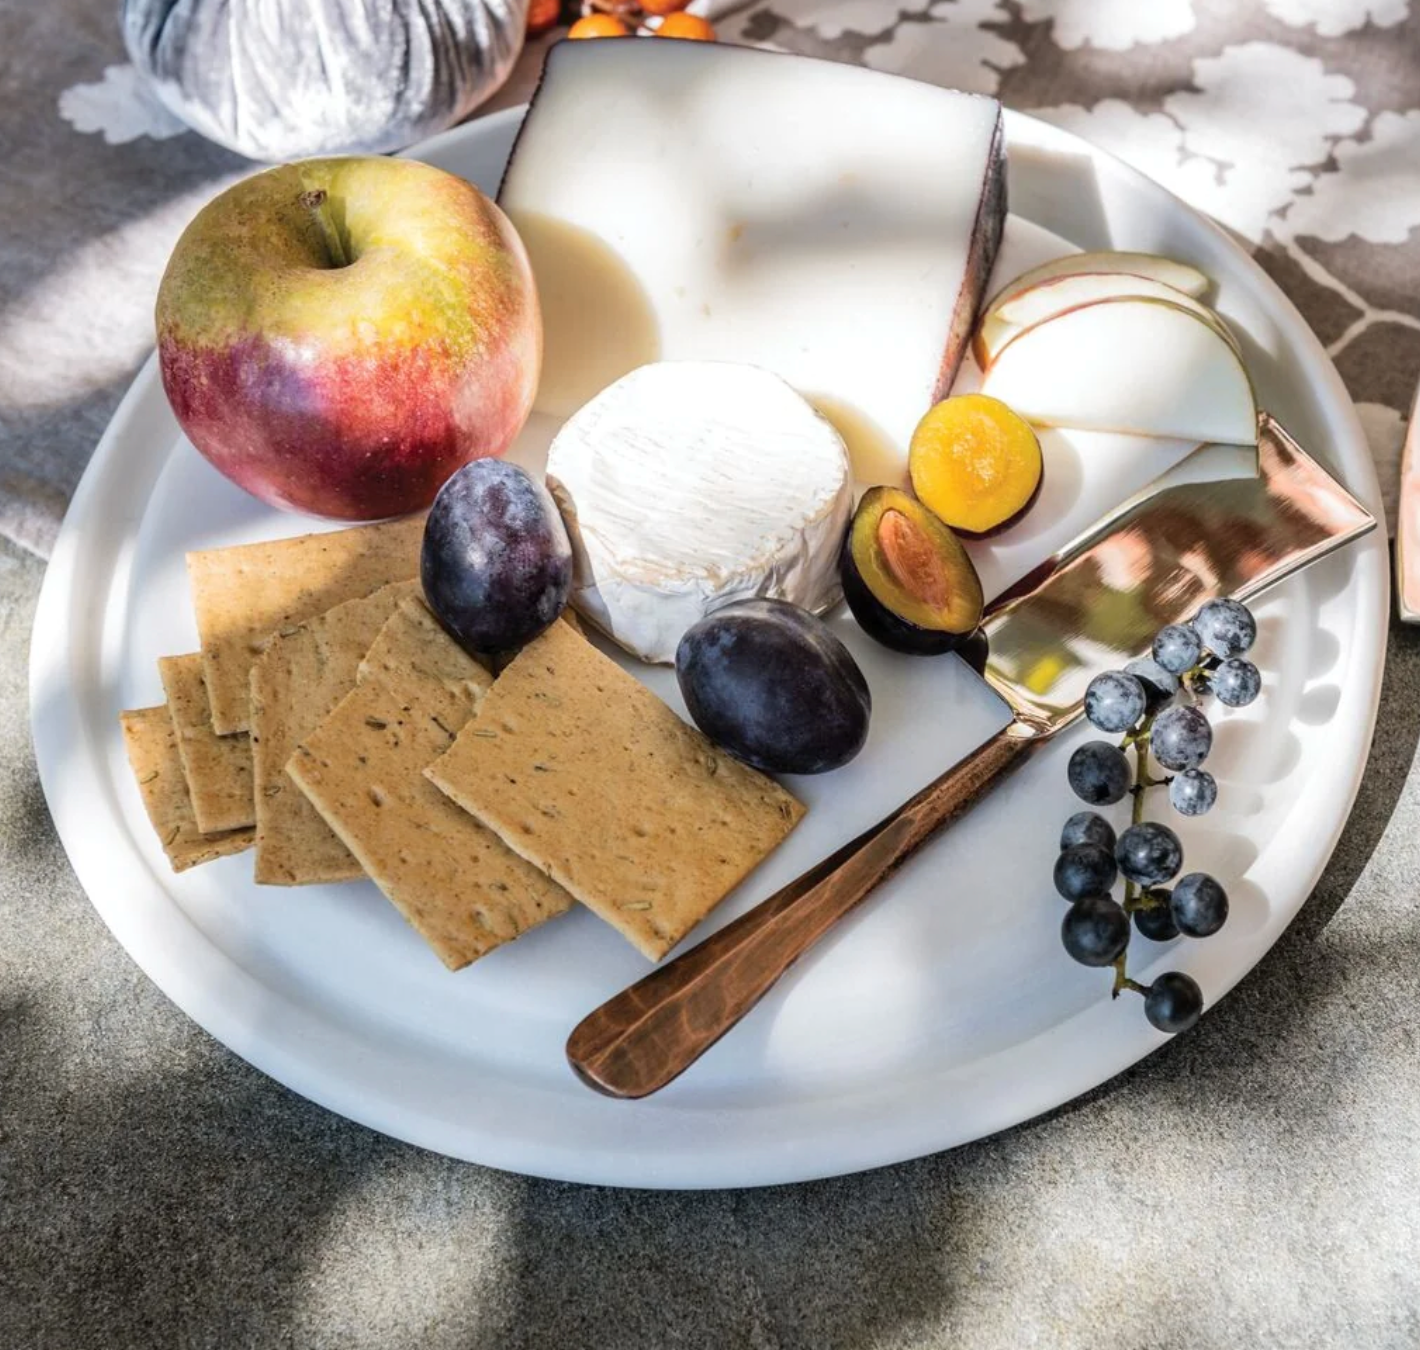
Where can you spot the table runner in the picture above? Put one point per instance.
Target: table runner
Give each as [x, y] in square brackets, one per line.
[1296, 123]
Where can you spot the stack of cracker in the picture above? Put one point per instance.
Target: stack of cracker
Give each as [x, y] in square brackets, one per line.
[193, 755]
[331, 721]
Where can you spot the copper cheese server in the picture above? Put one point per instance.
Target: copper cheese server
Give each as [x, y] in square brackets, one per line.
[1091, 608]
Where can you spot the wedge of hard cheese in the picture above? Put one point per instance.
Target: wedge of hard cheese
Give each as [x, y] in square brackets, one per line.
[834, 225]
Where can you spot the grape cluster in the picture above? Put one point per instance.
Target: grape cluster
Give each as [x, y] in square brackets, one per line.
[1140, 704]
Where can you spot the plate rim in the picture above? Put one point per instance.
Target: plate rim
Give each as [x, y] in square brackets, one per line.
[63, 734]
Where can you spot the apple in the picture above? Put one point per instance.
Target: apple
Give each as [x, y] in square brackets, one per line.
[338, 336]
[1147, 367]
[1006, 320]
[1180, 276]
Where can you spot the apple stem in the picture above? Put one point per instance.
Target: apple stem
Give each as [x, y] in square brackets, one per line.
[314, 202]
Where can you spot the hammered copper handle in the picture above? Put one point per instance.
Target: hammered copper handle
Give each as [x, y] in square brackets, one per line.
[638, 1041]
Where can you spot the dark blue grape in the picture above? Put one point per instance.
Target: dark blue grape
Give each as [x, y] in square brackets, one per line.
[1099, 773]
[1237, 682]
[1114, 701]
[1159, 684]
[1174, 1003]
[1155, 922]
[1178, 647]
[1085, 827]
[1181, 738]
[1193, 792]
[1084, 870]
[774, 686]
[1199, 905]
[496, 564]
[1095, 930]
[1149, 853]
[1226, 627]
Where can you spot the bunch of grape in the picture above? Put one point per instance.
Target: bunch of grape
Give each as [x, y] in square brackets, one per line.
[1140, 702]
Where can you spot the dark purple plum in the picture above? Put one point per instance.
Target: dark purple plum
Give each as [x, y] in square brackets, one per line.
[771, 684]
[496, 564]
[906, 577]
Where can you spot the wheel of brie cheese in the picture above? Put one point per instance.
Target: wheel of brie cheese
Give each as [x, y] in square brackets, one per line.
[688, 484]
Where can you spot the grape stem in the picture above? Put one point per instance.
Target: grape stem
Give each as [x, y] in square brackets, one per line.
[1139, 739]
[1142, 783]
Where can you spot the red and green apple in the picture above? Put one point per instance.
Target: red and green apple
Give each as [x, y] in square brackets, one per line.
[338, 336]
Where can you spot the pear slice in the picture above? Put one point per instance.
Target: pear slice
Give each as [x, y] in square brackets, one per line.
[1168, 271]
[1148, 367]
[1004, 322]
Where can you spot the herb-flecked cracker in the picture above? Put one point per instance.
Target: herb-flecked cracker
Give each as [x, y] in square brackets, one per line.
[295, 684]
[217, 768]
[152, 746]
[586, 773]
[245, 595]
[459, 886]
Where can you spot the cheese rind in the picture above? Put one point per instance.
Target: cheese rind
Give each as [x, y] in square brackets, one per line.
[689, 484]
[691, 201]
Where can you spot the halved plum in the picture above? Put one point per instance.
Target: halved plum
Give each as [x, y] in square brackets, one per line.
[975, 464]
[908, 580]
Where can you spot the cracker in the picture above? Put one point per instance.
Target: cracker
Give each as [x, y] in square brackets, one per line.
[590, 777]
[418, 646]
[217, 768]
[463, 891]
[152, 745]
[295, 684]
[244, 595]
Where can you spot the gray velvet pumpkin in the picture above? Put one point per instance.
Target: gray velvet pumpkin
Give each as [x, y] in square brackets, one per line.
[282, 79]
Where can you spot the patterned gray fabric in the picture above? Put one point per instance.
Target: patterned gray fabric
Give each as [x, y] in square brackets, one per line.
[284, 79]
[1294, 122]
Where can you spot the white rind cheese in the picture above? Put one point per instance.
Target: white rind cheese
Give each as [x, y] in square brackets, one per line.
[697, 201]
[690, 484]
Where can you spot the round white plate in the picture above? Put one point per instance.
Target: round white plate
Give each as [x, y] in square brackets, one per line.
[943, 1011]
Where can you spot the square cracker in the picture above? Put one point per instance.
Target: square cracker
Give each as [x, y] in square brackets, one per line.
[295, 684]
[244, 595]
[217, 768]
[586, 773]
[152, 746]
[463, 891]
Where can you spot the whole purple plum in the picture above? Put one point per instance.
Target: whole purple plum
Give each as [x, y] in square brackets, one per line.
[771, 684]
[496, 564]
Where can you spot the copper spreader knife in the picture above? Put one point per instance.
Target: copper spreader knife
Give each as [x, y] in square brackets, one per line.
[1093, 607]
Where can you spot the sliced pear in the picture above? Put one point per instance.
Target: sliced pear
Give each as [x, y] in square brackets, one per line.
[1003, 323]
[1169, 271]
[1148, 367]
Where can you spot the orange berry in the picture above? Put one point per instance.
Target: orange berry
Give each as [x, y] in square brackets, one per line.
[663, 6]
[690, 26]
[598, 26]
